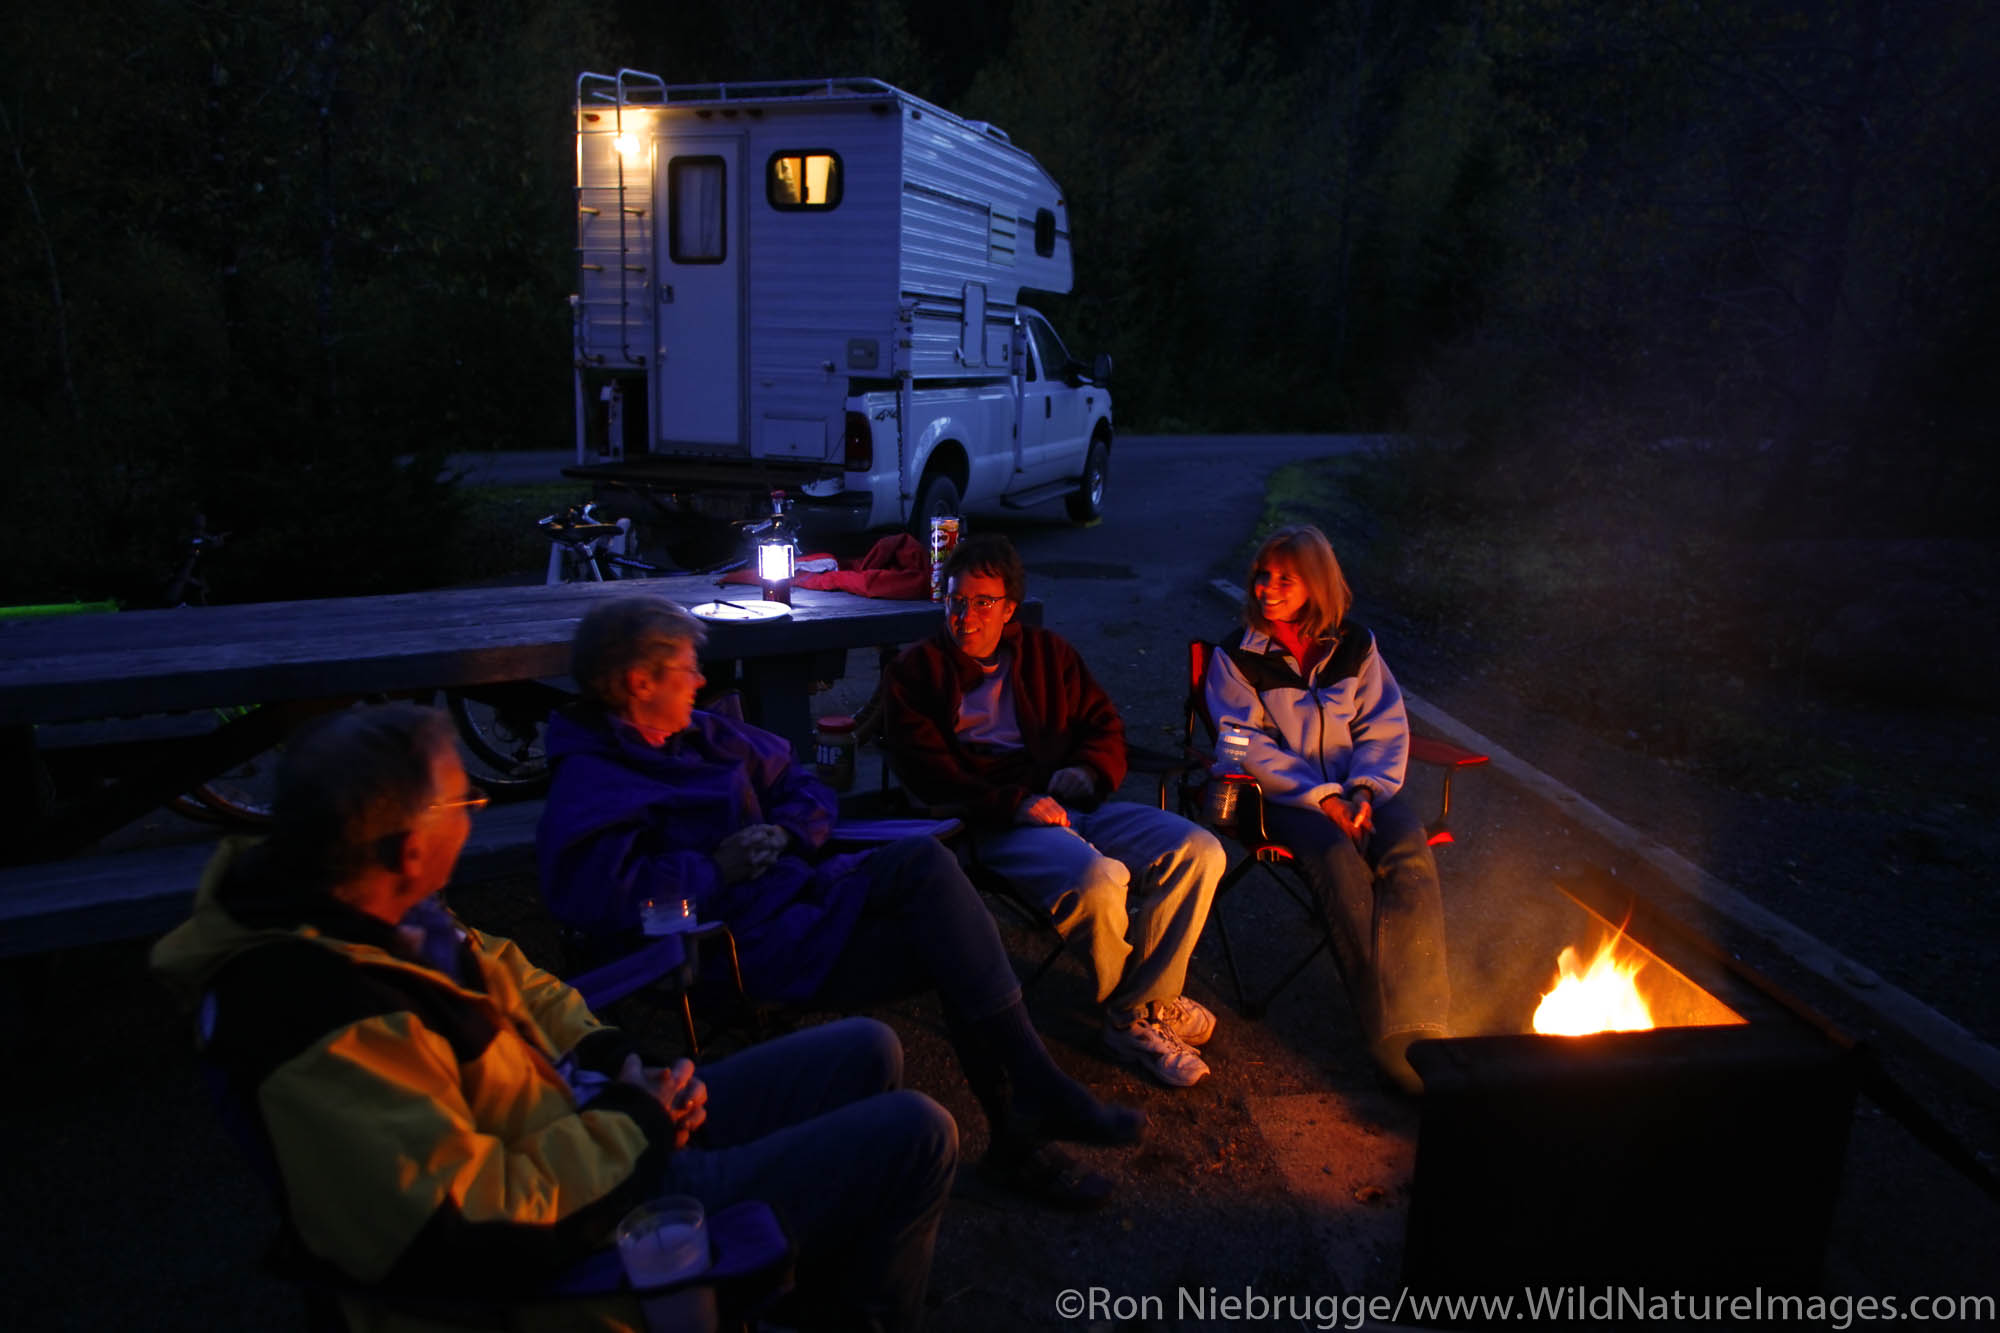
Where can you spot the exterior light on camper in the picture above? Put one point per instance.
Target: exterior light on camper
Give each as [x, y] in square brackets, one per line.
[777, 552]
[627, 144]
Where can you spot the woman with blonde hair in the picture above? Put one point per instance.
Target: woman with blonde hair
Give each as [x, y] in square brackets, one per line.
[1329, 742]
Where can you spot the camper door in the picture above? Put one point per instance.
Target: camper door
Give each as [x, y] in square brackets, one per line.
[698, 362]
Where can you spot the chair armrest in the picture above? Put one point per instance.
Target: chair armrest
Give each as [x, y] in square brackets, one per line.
[1431, 750]
[661, 957]
[746, 1244]
[875, 832]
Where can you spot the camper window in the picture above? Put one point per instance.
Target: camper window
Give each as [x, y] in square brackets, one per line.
[800, 179]
[696, 231]
[1045, 232]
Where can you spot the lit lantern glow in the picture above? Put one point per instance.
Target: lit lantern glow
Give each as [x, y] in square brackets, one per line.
[627, 145]
[776, 560]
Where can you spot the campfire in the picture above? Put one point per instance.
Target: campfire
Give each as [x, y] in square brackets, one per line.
[1625, 987]
[1603, 997]
[1629, 1062]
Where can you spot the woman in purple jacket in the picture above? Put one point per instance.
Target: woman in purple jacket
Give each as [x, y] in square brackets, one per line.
[654, 798]
[1329, 742]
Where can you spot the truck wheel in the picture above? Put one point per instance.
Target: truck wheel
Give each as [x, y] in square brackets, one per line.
[1088, 501]
[936, 498]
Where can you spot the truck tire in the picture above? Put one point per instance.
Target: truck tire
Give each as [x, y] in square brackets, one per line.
[936, 498]
[1088, 501]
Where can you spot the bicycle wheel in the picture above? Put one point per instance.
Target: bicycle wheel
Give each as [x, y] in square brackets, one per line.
[507, 736]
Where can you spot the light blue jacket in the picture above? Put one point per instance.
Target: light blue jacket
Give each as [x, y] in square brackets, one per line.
[1312, 738]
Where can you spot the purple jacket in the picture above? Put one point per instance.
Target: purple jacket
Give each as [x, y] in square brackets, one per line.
[626, 822]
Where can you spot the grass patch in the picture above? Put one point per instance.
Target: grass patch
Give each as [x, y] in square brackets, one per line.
[498, 532]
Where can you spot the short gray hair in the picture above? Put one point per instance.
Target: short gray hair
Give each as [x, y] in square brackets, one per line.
[349, 782]
[619, 635]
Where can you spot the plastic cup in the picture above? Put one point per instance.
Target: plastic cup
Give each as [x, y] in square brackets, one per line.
[663, 1241]
[667, 916]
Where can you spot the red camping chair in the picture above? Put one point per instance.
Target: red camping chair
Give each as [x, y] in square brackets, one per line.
[1198, 741]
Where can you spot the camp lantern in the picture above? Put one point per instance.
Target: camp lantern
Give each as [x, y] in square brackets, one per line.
[777, 552]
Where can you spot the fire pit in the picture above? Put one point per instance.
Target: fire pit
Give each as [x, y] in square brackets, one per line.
[1703, 1154]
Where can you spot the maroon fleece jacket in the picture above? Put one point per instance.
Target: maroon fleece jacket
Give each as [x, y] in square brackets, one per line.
[1065, 717]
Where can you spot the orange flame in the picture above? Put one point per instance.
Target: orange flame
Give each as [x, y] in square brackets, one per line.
[1599, 998]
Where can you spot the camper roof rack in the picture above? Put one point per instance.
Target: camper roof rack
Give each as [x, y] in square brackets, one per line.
[632, 87]
[636, 87]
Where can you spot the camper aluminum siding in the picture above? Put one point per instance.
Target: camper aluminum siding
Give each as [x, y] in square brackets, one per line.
[821, 282]
[970, 201]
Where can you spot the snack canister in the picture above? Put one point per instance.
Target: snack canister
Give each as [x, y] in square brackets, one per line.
[944, 538]
[833, 745]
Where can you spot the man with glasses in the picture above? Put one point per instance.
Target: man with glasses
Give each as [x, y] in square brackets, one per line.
[1003, 723]
[451, 1123]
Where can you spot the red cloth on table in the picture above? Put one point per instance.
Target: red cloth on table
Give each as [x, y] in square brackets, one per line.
[896, 567]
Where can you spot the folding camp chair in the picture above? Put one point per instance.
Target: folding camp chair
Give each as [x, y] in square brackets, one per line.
[1192, 780]
[626, 957]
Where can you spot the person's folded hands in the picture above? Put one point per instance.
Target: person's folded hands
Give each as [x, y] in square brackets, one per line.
[1042, 810]
[750, 851]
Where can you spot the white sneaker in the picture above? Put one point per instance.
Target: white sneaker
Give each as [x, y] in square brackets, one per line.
[1190, 1020]
[1154, 1048]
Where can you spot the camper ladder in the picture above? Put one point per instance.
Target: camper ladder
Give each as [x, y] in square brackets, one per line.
[602, 193]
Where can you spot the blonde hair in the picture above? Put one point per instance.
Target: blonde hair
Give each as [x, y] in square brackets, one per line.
[1306, 549]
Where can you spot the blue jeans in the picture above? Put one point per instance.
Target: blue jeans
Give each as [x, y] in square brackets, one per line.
[1387, 912]
[1138, 881]
[818, 1126]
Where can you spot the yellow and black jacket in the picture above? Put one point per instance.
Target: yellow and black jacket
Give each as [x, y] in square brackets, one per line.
[425, 1141]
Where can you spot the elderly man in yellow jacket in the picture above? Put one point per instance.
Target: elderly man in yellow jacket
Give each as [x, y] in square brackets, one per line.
[445, 1117]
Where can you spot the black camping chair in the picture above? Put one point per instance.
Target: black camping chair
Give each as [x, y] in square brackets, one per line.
[751, 1257]
[1192, 780]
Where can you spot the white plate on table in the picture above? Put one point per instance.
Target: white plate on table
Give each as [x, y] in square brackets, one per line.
[740, 611]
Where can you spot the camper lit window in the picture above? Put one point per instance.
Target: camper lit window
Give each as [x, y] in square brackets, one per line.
[697, 232]
[803, 180]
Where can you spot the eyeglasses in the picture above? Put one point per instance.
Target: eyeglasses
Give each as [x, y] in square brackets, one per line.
[958, 606]
[475, 798]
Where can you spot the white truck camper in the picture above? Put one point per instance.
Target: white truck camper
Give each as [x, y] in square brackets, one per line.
[815, 287]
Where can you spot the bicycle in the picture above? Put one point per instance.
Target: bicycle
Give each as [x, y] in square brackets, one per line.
[585, 547]
[500, 724]
[503, 725]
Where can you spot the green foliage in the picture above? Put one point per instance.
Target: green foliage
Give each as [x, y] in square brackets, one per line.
[256, 254]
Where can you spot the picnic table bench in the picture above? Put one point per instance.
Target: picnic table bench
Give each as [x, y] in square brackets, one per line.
[293, 659]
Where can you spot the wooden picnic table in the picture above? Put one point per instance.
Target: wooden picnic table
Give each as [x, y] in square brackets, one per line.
[295, 658]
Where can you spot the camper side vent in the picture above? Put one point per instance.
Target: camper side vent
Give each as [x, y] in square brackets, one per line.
[1003, 234]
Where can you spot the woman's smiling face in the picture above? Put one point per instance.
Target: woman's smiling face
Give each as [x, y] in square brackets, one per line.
[1280, 593]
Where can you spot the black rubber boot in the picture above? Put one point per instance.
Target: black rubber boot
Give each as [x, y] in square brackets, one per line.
[1046, 1103]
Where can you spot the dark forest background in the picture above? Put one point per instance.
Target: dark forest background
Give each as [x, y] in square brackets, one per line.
[254, 253]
